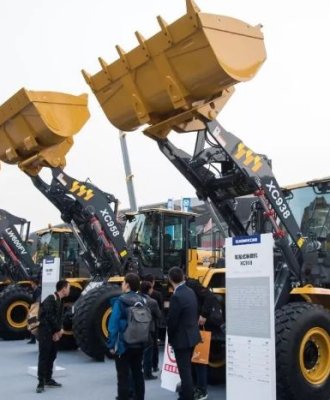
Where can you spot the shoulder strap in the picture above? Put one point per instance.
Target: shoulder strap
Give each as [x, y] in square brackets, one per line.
[131, 300]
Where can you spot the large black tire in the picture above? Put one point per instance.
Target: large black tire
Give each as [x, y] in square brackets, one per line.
[14, 306]
[75, 292]
[303, 352]
[217, 361]
[90, 319]
[67, 341]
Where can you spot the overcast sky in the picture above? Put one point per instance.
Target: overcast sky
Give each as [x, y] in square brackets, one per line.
[283, 112]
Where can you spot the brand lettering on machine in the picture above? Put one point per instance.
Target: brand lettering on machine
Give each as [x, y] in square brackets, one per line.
[61, 179]
[217, 133]
[16, 241]
[110, 222]
[279, 200]
[81, 190]
[251, 160]
[246, 240]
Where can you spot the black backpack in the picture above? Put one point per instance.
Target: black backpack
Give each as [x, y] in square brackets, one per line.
[139, 318]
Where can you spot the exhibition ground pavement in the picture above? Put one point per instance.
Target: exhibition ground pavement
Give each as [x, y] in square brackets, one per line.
[84, 378]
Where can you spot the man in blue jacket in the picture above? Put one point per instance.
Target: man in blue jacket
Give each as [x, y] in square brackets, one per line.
[128, 359]
[182, 329]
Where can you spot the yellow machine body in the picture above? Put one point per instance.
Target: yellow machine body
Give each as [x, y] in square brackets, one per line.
[188, 65]
[36, 128]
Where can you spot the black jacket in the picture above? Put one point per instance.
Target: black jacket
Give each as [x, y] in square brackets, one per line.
[51, 312]
[155, 311]
[156, 295]
[182, 319]
[209, 306]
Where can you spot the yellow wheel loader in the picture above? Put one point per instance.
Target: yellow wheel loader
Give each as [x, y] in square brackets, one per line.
[36, 132]
[21, 261]
[17, 268]
[179, 80]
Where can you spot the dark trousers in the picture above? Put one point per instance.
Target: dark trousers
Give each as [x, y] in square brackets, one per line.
[183, 361]
[47, 355]
[155, 350]
[201, 376]
[150, 355]
[147, 360]
[131, 360]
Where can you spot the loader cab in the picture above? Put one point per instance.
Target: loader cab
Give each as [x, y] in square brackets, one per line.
[61, 242]
[161, 239]
[310, 204]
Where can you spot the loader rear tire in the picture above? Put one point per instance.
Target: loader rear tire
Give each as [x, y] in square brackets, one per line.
[217, 361]
[14, 306]
[67, 341]
[90, 320]
[216, 376]
[303, 352]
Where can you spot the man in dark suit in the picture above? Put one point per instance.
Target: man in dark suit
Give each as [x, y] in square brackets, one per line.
[182, 329]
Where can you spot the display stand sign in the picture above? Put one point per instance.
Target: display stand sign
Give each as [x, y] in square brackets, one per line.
[250, 329]
[170, 377]
[170, 204]
[186, 204]
[50, 275]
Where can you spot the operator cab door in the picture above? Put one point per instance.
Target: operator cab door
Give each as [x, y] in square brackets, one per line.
[174, 243]
[159, 240]
[143, 235]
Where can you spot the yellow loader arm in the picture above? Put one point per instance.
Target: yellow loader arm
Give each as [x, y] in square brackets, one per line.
[36, 128]
[186, 70]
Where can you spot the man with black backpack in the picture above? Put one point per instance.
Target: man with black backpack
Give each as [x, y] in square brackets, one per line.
[129, 331]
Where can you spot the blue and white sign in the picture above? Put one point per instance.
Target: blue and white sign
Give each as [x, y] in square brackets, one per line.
[240, 240]
[50, 275]
[186, 204]
[250, 327]
[170, 204]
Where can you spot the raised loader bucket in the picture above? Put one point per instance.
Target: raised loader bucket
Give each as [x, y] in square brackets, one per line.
[36, 128]
[189, 63]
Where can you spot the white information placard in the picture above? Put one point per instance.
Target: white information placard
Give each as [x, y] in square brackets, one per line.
[250, 330]
[170, 377]
[50, 275]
